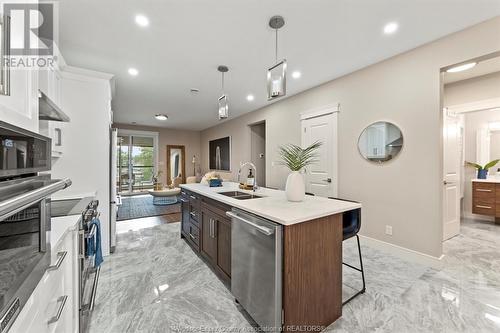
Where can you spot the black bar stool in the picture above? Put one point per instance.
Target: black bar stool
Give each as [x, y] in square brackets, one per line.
[351, 223]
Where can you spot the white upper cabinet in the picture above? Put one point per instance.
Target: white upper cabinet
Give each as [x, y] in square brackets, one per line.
[18, 106]
[21, 107]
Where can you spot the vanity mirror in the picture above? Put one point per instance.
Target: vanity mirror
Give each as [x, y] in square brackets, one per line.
[380, 142]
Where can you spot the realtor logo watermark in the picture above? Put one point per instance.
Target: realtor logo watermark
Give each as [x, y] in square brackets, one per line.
[31, 29]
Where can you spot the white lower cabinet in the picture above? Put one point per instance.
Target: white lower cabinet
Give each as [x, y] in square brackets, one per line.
[54, 305]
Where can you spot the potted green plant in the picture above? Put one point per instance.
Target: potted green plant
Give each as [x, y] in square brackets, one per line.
[482, 171]
[296, 159]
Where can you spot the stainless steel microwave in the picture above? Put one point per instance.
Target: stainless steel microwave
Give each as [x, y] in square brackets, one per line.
[23, 152]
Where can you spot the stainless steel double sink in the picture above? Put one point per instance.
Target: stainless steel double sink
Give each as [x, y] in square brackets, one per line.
[240, 195]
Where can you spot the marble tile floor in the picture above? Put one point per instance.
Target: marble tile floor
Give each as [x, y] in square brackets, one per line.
[155, 283]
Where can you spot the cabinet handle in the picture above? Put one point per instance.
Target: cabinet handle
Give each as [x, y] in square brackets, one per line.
[62, 300]
[60, 259]
[211, 230]
[481, 206]
[193, 213]
[184, 200]
[482, 190]
[191, 235]
[5, 57]
[192, 197]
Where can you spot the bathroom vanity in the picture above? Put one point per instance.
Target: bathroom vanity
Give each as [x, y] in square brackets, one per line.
[486, 197]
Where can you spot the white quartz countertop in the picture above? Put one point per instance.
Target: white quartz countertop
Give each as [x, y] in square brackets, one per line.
[488, 180]
[273, 205]
[59, 227]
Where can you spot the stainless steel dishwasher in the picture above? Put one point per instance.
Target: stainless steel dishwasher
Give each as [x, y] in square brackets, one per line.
[256, 267]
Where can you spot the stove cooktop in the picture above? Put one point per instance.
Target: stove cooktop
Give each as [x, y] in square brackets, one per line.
[69, 206]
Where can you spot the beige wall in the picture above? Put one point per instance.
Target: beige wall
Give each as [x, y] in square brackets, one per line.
[190, 139]
[405, 193]
[472, 90]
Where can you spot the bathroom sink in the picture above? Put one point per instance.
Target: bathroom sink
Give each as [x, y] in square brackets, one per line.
[240, 195]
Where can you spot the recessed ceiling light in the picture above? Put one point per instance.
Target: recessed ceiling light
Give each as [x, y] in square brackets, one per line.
[161, 117]
[461, 68]
[390, 28]
[141, 20]
[250, 98]
[296, 74]
[133, 71]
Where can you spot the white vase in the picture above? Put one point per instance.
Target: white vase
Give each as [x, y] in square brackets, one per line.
[295, 188]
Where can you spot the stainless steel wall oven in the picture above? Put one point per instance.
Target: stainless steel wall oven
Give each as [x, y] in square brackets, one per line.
[24, 216]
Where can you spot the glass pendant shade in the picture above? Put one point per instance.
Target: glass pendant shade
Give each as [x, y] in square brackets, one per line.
[223, 107]
[276, 80]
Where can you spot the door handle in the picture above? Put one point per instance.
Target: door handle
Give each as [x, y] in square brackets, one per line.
[328, 180]
[5, 54]
[60, 259]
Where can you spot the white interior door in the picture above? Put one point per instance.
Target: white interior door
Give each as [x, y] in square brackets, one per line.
[451, 165]
[321, 178]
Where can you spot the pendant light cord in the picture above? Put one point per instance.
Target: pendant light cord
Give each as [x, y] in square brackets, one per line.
[276, 49]
[222, 82]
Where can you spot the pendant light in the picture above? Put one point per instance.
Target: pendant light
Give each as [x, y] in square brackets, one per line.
[276, 75]
[223, 106]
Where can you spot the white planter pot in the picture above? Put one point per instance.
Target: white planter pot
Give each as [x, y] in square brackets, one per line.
[295, 188]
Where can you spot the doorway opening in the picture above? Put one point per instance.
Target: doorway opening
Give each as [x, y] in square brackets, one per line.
[471, 140]
[258, 151]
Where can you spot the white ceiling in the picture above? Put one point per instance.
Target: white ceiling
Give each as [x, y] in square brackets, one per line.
[188, 39]
[482, 68]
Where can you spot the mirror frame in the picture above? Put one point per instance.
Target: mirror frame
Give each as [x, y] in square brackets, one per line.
[183, 164]
[380, 162]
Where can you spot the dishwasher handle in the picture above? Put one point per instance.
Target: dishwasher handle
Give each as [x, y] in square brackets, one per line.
[264, 230]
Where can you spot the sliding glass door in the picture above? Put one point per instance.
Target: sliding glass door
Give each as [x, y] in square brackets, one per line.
[136, 160]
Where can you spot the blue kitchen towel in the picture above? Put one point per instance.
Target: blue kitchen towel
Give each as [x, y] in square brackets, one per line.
[94, 244]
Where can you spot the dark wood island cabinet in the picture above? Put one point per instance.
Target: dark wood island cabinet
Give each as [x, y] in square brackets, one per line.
[207, 229]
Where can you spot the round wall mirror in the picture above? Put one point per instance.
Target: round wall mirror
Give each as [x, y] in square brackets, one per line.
[380, 142]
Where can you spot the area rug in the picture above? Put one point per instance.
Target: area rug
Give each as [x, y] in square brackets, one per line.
[134, 207]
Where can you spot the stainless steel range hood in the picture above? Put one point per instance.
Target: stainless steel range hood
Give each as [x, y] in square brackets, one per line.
[48, 110]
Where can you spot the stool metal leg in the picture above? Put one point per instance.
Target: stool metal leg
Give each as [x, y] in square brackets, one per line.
[362, 291]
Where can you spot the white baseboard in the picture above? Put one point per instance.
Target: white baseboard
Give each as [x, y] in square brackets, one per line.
[404, 253]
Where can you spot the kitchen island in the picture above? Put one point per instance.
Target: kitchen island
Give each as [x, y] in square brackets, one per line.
[311, 276]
